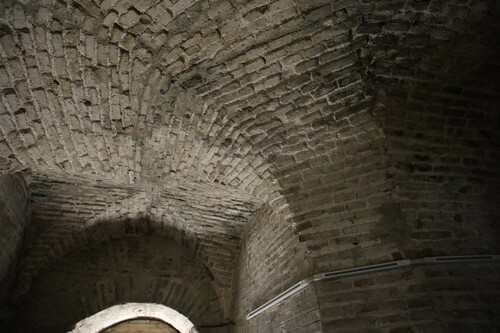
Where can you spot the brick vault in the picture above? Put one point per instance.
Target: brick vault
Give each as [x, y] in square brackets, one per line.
[207, 155]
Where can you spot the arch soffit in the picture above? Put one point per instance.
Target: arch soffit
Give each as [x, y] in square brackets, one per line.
[119, 313]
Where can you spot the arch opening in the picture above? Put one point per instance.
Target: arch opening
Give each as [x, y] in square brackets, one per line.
[149, 325]
[129, 311]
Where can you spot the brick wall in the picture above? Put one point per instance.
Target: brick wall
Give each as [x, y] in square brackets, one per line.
[272, 260]
[441, 298]
[299, 313]
[14, 218]
[414, 172]
[439, 112]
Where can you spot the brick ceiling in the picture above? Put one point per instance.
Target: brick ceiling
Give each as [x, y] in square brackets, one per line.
[182, 118]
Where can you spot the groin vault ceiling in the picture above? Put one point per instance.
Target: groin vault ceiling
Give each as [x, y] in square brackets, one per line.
[338, 123]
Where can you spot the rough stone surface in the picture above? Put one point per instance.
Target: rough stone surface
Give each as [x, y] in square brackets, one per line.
[271, 139]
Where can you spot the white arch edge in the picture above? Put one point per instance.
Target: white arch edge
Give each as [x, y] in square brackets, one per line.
[118, 313]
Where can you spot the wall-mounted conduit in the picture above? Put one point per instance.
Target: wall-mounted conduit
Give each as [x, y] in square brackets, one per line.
[369, 269]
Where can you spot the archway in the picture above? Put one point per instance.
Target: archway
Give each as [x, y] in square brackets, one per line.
[119, 313]
[138, 269]
[149, 325]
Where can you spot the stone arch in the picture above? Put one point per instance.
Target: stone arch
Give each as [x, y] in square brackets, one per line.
[139, 269]
[141, 225]
[123, 312]
[192, 214]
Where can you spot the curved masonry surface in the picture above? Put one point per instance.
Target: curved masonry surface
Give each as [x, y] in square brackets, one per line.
[208, 155]
[119, 313]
